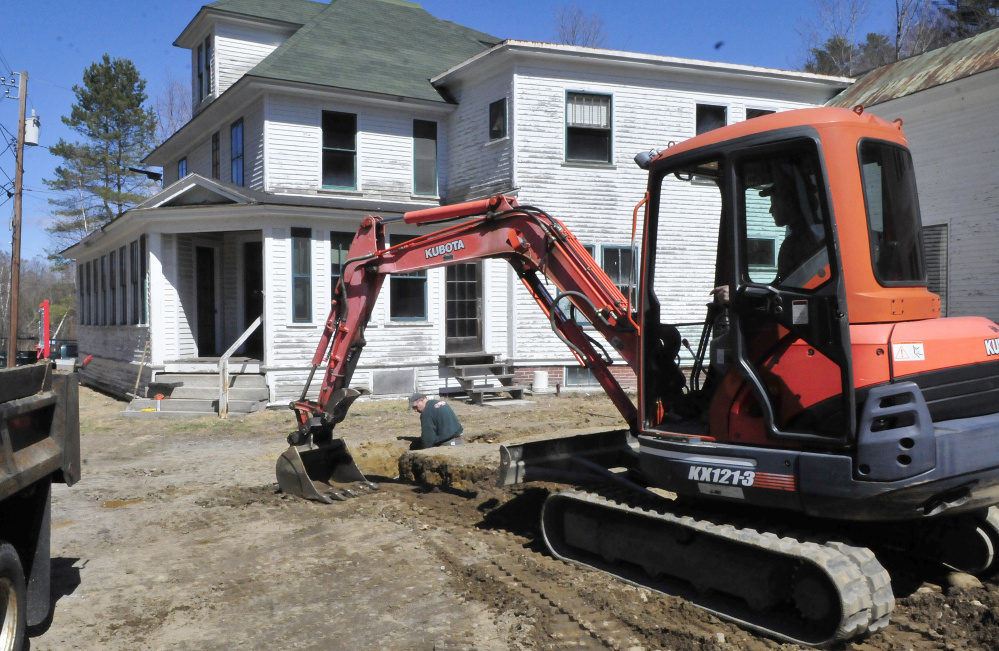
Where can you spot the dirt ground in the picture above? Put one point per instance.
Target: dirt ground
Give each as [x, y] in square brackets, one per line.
[177, 538]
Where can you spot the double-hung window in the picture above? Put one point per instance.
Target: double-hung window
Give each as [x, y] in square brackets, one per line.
[80, 294]
[339, 150]
[301, 275]
[588, 127]
[85, 311]
[112, 290]
[204, 77]
[104, 290]
[619, 265]
[710, 118]
[200, 81]
[425, 157]
[137, 277]
[182, 168]
[236, 150]
[407, 291]
[123, 287]
[339, 246]
[497, 119]
[216, 158]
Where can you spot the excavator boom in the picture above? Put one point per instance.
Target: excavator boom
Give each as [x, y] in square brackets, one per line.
[535, 244]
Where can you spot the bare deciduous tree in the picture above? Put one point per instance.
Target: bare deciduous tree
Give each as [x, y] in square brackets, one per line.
[575, 27]
[830, 37]
[172, 106]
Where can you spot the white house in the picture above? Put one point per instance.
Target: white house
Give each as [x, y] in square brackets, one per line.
[309, 116]
[947, 101]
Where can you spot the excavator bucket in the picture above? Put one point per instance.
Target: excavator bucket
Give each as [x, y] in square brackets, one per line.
[571, 459]
[307, 471]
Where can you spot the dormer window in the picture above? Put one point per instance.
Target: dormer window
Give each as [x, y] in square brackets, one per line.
[204, 76]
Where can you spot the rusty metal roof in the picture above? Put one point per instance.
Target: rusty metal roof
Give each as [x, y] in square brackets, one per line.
[934, 68]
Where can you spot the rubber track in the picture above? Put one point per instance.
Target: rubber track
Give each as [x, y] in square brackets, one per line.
[862, 582]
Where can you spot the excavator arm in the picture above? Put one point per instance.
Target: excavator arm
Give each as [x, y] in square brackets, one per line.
[535, 244]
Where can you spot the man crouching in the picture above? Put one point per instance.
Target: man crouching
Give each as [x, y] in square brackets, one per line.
[438, 423]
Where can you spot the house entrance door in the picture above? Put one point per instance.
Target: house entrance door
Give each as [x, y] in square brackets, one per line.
[207, 312]
[253, 296]
[463, 311]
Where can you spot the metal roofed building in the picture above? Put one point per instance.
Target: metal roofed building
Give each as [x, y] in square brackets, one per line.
[947, 99]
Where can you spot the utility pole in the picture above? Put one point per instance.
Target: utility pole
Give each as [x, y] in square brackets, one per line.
[15, 257]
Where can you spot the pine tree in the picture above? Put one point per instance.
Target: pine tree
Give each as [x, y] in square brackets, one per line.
[118, 131]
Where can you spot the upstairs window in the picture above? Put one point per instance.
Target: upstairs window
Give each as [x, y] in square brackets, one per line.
[203, 80]
[208, 66]
[497, 119]
[588, 128]
[200, 81]
[216, 158]
[301, 274]
[756, 113]
[710, 118]
[236, 149]
[425, 157]
[182, 168]
[339, 150]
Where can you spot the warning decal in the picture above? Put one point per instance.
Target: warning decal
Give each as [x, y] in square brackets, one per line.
[911, 351]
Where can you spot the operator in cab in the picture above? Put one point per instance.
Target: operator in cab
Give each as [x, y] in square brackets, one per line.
[439, 425]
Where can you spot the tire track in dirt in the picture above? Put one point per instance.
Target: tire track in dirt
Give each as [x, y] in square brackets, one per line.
[571, 607]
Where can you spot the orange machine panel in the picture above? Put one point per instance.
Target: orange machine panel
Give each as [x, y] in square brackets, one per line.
[922, 346]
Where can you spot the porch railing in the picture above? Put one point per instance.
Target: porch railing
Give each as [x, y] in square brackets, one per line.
[224, 366]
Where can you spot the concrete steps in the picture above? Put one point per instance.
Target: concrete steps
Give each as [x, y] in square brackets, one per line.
[197, 394]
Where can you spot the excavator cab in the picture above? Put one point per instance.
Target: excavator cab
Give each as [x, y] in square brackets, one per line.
[780, 304]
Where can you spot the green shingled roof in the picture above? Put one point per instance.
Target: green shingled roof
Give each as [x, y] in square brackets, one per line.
[381, 46]
[297, 12]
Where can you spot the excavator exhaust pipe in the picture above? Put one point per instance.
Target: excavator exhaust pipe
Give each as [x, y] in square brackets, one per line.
[308, 470]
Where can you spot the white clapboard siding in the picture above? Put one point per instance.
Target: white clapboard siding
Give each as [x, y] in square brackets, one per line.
[953, 136]
[240, 47]
[596, 202]
[384, 146]
[477, 167]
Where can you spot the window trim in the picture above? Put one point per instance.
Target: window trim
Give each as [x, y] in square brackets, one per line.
[216, 156]
[200, 75]
[506, 120]
[295, 276]
[233, 157]
[634, 269]
[122, 286]
[323, 148]
[395, 240]
[709, 103]
[436, 191]
[610, 129]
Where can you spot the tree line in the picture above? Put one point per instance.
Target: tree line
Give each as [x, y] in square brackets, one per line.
[834, 46]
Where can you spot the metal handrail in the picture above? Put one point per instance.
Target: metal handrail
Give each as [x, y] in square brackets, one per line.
[224, 366]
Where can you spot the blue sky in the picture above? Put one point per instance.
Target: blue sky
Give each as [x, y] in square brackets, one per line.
[54, 41]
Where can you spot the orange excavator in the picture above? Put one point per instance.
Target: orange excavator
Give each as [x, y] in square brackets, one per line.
[830, 423]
